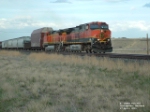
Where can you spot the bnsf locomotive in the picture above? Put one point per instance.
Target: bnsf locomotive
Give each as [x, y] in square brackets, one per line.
[89, 37]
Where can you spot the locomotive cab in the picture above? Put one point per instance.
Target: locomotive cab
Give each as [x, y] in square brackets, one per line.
[100, 31]
[102, 36]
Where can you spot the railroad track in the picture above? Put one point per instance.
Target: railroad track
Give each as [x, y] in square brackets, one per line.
[112, 55]
[131, 56]
[109, 55]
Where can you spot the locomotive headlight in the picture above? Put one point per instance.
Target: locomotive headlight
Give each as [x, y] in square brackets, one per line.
[108, 39]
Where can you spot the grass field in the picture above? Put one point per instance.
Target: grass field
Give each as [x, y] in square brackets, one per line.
[130, 46]
[40, 82]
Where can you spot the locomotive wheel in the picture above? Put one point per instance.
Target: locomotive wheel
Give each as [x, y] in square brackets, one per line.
[90, 50]
[86, 51]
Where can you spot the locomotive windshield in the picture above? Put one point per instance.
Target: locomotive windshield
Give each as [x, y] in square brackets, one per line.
[96, 26]
[103, 26]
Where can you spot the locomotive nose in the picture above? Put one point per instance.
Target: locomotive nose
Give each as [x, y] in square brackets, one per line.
[104, 35]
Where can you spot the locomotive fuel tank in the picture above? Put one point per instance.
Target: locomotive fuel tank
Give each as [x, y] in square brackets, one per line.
[50, 48]
[76, 47]
[67, 48]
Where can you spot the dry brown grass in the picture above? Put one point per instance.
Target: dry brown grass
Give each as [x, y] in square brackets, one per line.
[130, 46]
[109, 64]
[56, 83]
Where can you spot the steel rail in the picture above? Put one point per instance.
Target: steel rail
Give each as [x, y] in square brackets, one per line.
[111, 55]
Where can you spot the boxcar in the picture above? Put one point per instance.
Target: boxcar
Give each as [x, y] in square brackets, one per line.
[14, 43]
[17, 43]
[24, 42]
[9, 44]
[5, 44]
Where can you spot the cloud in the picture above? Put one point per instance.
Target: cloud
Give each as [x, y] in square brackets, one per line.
[84, 0]
[132, 8]
[67, 1]
[127, 25]
[24, 22]
[61, 1]
[147, 5]
[27, 22]
[115, 0]
[21, 22]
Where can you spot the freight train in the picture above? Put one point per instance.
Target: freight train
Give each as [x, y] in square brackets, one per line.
[89, 37]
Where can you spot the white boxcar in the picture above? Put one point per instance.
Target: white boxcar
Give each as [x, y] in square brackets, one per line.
[6, 44]
[23, 41]
[9, 45]
[3, 44]
[14, 43]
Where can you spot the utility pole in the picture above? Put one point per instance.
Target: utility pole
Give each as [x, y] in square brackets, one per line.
[147, 45]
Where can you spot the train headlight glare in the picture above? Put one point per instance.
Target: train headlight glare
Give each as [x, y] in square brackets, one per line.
[108, 39]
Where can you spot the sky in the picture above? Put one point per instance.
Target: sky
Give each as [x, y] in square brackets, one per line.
[126, 18]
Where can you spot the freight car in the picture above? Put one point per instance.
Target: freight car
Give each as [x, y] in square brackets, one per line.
[89, 37]
[17, 43]
[37, 37]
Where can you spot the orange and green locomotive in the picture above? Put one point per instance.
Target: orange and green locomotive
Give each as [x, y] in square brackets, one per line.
[89, 37]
